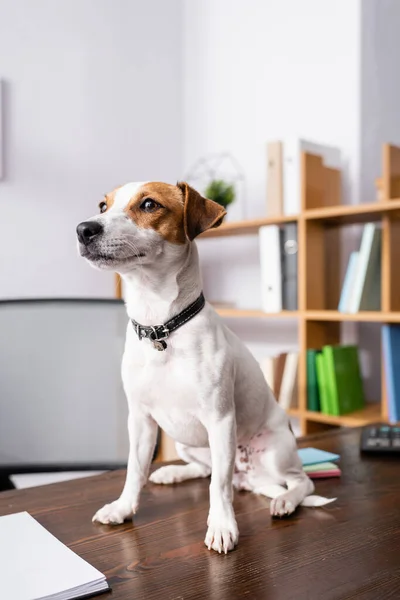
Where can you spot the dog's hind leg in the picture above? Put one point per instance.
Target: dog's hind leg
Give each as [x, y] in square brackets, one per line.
[285, 500]
[199, 465]
[283, 467]
[285, 503]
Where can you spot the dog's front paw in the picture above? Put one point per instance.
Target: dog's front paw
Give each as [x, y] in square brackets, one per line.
[114, 513]
[222, 533]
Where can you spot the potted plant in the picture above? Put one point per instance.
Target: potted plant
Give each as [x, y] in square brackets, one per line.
[221, 192]
[219, 177]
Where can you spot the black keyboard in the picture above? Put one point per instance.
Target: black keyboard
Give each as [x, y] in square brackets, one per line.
[381, 439]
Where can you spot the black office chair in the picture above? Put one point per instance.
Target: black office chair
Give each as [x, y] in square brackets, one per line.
[62, 405]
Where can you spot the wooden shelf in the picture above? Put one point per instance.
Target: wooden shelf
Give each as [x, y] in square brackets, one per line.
[362, 316]
[247, 227]
[343, 214]
[238, 313]
[372, 413]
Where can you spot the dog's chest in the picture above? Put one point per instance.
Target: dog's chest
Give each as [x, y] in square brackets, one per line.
[167, 384]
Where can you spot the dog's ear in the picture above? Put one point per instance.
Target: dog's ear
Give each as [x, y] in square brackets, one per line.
[199, 214]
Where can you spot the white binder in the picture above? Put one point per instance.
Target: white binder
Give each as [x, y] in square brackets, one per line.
[292, 149]
[271, 273]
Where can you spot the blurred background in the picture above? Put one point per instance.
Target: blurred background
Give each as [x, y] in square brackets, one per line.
[96, 93]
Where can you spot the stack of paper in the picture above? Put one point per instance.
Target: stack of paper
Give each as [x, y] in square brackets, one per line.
[37, 566]
[319, 464]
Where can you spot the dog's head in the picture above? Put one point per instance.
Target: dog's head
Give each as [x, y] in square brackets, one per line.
[140, 222]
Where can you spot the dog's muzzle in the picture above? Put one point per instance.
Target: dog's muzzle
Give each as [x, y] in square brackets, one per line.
[87, 231]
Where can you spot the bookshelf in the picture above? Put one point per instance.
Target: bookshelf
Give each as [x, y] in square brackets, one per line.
[342, 214]
[319, 222]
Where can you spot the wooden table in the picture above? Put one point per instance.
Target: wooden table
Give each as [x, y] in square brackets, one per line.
[349, 550]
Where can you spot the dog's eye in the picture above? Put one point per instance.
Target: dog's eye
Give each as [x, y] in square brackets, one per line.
[149, 205]
[103, 207]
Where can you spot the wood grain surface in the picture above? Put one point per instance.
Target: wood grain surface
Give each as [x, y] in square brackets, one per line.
[348, 550]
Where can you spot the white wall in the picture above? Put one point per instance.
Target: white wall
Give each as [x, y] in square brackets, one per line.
[380, 87]
[261, 70]
[92, 100]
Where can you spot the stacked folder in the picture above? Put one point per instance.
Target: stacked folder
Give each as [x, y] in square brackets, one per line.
[319, 464]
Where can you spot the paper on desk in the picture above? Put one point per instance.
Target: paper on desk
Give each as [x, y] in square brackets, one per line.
[34, 564]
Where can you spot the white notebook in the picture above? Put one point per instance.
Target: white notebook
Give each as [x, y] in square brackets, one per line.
[34, 565]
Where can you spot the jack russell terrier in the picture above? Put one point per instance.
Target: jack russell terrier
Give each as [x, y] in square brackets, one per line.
[183, 369]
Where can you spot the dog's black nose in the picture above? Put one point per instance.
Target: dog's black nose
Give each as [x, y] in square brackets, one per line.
[88, 230]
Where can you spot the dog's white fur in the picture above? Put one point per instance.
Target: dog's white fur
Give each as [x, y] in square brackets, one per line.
[206, 391]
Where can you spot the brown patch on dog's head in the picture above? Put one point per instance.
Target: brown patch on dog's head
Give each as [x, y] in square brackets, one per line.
[167, 216]
[178, 213]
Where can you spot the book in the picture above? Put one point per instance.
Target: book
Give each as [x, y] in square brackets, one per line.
[279, 368]
[391, 365]
[366, 288]
[348, 283]
[313, 400]
[314, 456]
[325, 466]
[273, 368]
[287, 393]
[325, 405]
[325, 474]
[289, 254]
[271, 275]
[268, 368]
[36, 565]
[274, 179]
[292, 149]
[343, 379]
[322, 470]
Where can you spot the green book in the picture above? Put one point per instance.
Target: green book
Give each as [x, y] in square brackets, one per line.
[343, 379]
[326, 466]
[313, 401]
[322, 384]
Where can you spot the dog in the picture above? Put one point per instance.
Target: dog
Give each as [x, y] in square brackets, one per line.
[200, 383]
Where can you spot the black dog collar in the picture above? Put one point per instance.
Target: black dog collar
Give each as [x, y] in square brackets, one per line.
[159, 333]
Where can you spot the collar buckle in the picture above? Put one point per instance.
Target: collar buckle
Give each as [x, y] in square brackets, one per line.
[159, 332]
[158, 335]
